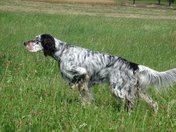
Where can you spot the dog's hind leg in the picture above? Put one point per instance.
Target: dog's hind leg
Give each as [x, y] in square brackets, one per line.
[124, 87]
[124, 93]
[143, 95]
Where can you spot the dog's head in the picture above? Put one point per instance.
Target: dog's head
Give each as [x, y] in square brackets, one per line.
[43, 42]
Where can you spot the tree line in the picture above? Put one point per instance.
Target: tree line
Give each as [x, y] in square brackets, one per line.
[159, 2]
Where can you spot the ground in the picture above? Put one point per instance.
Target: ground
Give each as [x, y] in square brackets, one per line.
[87, 9]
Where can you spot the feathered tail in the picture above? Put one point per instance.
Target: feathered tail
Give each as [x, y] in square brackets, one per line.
[149, 76]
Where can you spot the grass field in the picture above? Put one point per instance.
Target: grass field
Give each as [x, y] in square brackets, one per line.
[34, 97]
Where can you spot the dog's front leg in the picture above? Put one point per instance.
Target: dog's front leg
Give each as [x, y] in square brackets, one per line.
[85, 91]
[79, 79]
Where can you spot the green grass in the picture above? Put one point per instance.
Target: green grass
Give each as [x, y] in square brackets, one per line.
[34, 97]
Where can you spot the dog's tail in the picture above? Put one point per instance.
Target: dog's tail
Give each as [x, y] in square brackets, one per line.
[148, 76]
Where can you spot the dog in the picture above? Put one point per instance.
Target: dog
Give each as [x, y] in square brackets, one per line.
[83, 68]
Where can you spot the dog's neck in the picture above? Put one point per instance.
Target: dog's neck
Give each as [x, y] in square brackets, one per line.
[60, 47]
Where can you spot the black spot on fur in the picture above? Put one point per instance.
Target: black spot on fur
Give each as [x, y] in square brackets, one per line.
[78, 78]
[131, 65]
[48, 44]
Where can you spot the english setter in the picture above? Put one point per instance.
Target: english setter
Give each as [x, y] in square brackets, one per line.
[83, 68]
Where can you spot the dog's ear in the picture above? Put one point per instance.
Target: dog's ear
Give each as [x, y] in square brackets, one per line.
[48, 44]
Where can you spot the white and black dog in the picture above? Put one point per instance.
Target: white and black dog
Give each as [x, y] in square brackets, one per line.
[83, 68]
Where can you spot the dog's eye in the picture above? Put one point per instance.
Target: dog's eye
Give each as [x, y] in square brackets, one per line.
[37, 42]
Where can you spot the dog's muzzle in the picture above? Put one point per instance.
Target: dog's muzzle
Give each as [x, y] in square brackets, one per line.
[27, 42]
[29, 45]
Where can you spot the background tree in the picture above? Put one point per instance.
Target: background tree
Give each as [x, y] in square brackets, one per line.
[159, 2]
[170, 2]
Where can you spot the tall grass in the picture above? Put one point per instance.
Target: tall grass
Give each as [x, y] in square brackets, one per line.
[34, 97]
